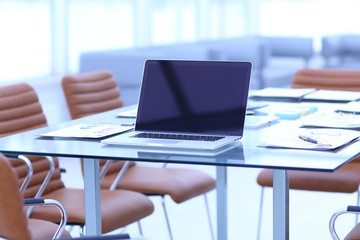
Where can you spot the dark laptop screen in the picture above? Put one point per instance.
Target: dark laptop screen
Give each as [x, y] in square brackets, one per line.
[194, 96]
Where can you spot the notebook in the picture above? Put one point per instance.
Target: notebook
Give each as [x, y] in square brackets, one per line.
[189, 105]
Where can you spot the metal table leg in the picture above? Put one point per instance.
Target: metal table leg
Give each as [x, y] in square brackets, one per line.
[221, 202]
[281, 204]
[92, 197]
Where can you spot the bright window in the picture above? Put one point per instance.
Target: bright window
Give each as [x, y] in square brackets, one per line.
[40, 39]
[172, 21]
[98, 25]
[25, 44]
[312, 18]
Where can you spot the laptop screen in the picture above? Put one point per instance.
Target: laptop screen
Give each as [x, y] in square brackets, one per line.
[206, 97]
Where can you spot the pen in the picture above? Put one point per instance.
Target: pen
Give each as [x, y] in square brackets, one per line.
[117, 123]
[308, 139]
[346, 112]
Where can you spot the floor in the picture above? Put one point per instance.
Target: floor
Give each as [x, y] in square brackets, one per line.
[309, 211]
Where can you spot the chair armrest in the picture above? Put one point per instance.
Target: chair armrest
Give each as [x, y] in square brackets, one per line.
[50, 202]
[33, 201]
[103, 237]
[349, 209]
[28, 164]
[10, 155]
[354, 209]
[27, 180]
[105, 169]
[45, 182]
[119, 176]
[47, 178]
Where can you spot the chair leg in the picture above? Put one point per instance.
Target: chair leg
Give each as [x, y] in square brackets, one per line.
[260, 212]
[70, 228]
[123, 230]
[140, 228]
[166, 218]
[209, 217]
[357, 204]
[82, 231]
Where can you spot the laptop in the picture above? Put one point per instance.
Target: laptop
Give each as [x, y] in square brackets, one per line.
[189, 104]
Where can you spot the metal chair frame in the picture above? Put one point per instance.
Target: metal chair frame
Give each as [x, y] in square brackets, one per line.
[261, 210]
[350, 209]
[116, 183]
[34, 202]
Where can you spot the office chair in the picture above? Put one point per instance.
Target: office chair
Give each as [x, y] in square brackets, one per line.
[95, 92]
[328, 79]
[20, 110]
[13, 221]
[347, 178]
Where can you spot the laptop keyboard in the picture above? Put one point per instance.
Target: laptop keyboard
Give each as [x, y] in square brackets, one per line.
[179, 136]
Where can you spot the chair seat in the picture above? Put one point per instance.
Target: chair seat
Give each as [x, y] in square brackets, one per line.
[354, 234]
[345, 180]
[118, 208]
[40, 229]
[180, 184]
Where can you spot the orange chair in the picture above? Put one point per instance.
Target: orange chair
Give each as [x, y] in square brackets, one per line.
[330, 79]
[345, 179]
[96, 92]
[13, 221]
[20, 110]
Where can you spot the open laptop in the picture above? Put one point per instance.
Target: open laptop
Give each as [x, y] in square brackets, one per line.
[190, 105]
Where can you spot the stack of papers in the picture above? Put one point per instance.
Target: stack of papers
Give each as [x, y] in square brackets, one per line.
[296, 93]
[333, 95]
[259, 121]
[333, 120]
[350, 108]
[252, 105]
[313, 139]
[88, 131]
[130, 113]
[306, 94]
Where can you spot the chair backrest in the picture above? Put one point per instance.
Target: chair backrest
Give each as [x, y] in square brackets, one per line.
[20, 111]
[13, 221]
[329, 79]
[90, 93]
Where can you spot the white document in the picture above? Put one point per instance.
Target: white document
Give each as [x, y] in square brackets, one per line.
[333, 120]
[350, 108]
[259, 121]
[282, 92]
[333, 95]
[88, 131]
[130, 113]
[321, 139]
[253, 105]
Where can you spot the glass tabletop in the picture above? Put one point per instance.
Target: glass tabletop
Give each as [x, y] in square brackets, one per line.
[242, 153]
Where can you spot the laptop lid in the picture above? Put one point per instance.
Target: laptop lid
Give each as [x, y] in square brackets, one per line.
[183, 96]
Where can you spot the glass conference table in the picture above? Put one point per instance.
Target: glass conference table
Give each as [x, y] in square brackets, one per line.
[243, 153]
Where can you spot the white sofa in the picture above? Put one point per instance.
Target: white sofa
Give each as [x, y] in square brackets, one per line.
[127, 64]
[341, 51]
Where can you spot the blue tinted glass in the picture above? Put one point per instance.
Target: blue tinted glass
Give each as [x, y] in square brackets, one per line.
[194, 96]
